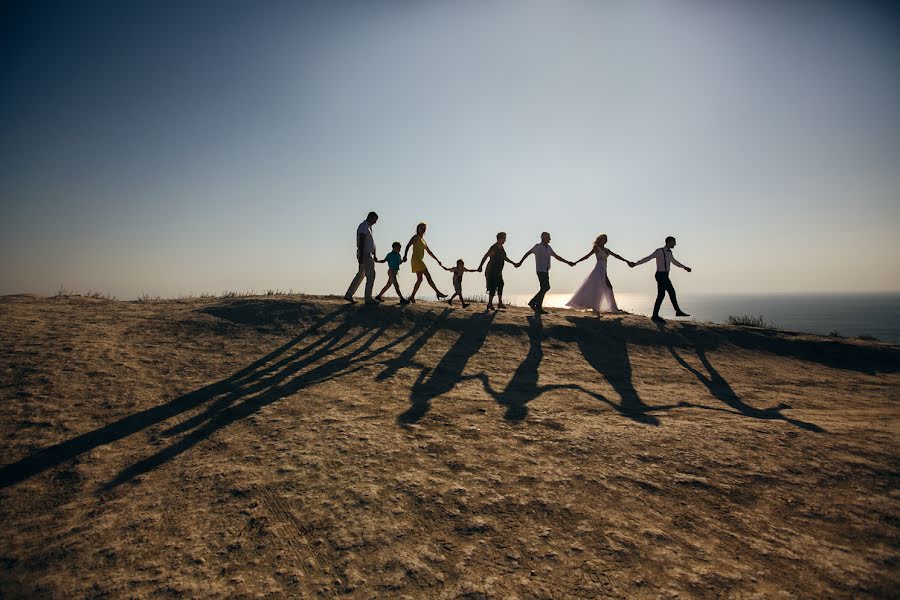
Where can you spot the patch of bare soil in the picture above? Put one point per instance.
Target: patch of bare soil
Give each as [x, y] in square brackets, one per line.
[300, 447]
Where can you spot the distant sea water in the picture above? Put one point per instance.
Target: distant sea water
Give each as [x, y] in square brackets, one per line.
[848, 314]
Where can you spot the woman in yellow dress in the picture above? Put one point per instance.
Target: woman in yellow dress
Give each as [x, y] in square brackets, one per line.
[418, 263]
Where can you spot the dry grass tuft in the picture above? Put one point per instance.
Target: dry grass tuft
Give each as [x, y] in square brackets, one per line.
[750, 321]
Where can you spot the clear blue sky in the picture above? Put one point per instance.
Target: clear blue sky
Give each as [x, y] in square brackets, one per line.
[174, 147]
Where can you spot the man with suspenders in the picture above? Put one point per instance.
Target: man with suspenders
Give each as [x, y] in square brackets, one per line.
[664, 261]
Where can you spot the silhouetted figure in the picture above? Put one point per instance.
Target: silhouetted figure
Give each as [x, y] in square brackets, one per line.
[393, 259]
[664, 261]
[722, 390]
[493, 275]
[542, 253]
[419, 247]
[458, 272]
[365, 256]
[424, 329]
[523, 387]
[596, 291]
[448, 372]
[607, 352]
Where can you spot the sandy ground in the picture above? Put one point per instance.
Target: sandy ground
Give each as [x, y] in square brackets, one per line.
[300, 447]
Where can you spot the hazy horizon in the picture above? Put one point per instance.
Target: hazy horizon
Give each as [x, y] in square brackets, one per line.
[174, 148]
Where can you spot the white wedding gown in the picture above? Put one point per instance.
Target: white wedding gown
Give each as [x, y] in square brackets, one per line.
[595, 293]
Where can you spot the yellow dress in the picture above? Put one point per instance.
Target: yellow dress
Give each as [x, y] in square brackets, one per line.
[418, 264]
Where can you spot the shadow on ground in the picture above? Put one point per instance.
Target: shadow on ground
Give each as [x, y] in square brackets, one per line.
[343, 341]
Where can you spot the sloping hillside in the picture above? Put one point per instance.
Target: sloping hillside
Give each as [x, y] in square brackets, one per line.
[301, 447]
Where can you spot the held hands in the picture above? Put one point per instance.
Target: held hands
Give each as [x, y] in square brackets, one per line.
[630, 264]
[688, 269]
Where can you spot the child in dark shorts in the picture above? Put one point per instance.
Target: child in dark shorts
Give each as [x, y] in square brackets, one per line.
[393, 259]
[458, 271]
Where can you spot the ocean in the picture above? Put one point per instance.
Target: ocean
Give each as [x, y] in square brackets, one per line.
[848, 314]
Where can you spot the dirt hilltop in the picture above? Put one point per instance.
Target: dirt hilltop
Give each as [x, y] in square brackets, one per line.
[300, 447]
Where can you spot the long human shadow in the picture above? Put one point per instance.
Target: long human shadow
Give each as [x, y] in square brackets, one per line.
[604, 347]
[524, 387]
[406, 359]
[290, 380]
[431, 383]
[57, 454]
[286, 382]
[271, 375]
[264, 381]
[276, 371]
[722, 390]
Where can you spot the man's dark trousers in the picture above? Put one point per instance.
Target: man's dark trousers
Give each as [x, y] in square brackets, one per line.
[544, 280]
[663, 285]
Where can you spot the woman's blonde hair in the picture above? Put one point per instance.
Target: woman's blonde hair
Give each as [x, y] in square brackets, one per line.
[601, 239]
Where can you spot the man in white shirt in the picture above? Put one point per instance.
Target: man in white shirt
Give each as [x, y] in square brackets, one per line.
[542, 253]
[365, 256]
[664, 261]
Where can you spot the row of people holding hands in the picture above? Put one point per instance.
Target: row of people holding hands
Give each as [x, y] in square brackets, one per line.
[595, 293]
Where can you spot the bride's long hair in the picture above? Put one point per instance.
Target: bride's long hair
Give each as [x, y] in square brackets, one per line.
[600, 241]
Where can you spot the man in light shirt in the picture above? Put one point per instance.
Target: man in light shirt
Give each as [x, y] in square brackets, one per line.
[365, 256]
[664, 261]
[542, 253]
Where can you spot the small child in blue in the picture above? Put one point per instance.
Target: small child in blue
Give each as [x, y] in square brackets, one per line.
[458, 271]
[393, 259]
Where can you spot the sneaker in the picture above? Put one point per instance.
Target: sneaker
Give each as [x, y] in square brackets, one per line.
[350, 299]
[465, 305]
[404, 301]
[541, 311]
[501, 305]
[657, 319]
[450, 302]
[681, 313]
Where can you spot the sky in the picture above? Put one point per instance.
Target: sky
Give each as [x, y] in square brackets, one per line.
[169, 148]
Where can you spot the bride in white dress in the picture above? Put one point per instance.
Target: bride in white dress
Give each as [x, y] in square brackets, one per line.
[595, 292]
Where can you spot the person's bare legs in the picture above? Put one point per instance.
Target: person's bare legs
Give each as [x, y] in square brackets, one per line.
[490, 304]
[392, 281]
[439, 293]
[500, 295]
[617, 310]
[386, 287]
[397, 289]
[412, 296]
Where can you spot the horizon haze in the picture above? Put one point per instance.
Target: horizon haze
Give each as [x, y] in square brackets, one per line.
[172, 148]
